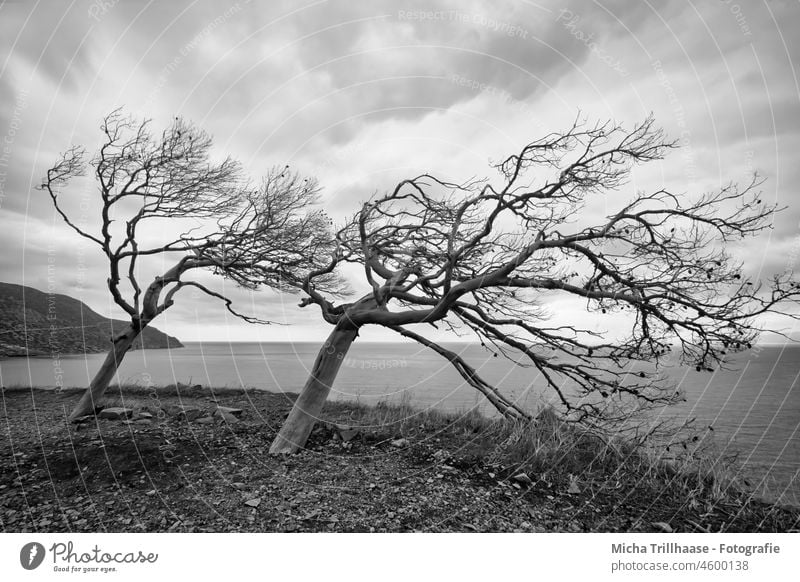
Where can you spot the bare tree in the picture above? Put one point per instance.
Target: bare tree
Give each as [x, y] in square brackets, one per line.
[266, 235]
[480, 259]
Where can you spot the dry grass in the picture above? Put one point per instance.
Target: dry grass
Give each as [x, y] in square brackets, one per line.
[550, 450]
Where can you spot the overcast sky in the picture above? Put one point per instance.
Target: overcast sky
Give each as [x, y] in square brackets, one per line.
[363, 94]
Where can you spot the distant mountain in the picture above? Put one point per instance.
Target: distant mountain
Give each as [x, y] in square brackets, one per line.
[33, 323]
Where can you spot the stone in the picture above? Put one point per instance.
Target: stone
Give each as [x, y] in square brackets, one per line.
[143, 414]
[223, 416]
[190, 413]
[115, 413]
[204, 420]
[522, 478]
[441, 455]
[399, 443]
[663, 526]
[573, 486]
[237, 412]
[348, 435]
[253, 502]
[82, 419]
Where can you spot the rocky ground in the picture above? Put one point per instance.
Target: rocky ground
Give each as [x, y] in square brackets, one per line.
[176, 461]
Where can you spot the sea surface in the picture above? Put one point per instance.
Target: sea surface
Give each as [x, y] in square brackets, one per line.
[754, 408]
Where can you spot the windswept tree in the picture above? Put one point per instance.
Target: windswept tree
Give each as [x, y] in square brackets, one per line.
[484, 258]
[163, 199]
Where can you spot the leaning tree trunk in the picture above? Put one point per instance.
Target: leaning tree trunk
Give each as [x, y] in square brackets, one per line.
[106, 373]
[295, 430]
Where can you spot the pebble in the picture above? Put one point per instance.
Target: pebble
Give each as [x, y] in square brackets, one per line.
[522, 478]
[223, 416]
[237, 412]
[115, 413]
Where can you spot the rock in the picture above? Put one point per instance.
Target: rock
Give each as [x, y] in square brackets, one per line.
[441, 455]
[238, 485]
[204, 420]
[253, 502]
[190, 413]
[348, 435]
[399, 443]
[663, 526]
[115, 413]
[573, 485]
[82, 419]
[143, 415]
[237, 412]
[522, 478]
[223, 416]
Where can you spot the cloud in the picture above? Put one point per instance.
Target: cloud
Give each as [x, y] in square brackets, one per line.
[365, 94]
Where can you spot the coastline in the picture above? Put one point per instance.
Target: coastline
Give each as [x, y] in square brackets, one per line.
[386, 468]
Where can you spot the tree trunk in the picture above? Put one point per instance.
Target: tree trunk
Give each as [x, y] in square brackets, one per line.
[295, 430]
[106, 373]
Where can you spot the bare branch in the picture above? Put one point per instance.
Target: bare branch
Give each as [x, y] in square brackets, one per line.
[487, 258]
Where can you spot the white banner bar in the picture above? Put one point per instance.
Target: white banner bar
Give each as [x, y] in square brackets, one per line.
[401, 557]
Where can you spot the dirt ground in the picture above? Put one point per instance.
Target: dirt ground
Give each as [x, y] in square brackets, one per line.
[194, 472]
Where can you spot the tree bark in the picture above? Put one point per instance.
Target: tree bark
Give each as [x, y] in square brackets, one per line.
[101, 380]
[295, 430]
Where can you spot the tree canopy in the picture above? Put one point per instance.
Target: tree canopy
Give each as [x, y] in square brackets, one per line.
[164, 198]
[485, 256]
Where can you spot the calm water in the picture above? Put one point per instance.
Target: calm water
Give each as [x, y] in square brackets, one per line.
[755, 409]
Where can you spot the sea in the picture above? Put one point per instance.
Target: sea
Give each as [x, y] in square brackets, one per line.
[753, 406]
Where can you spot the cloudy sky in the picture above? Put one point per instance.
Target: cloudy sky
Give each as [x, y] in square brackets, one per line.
[363, 94]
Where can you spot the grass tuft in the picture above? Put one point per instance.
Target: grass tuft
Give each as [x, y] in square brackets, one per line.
[558, 453]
